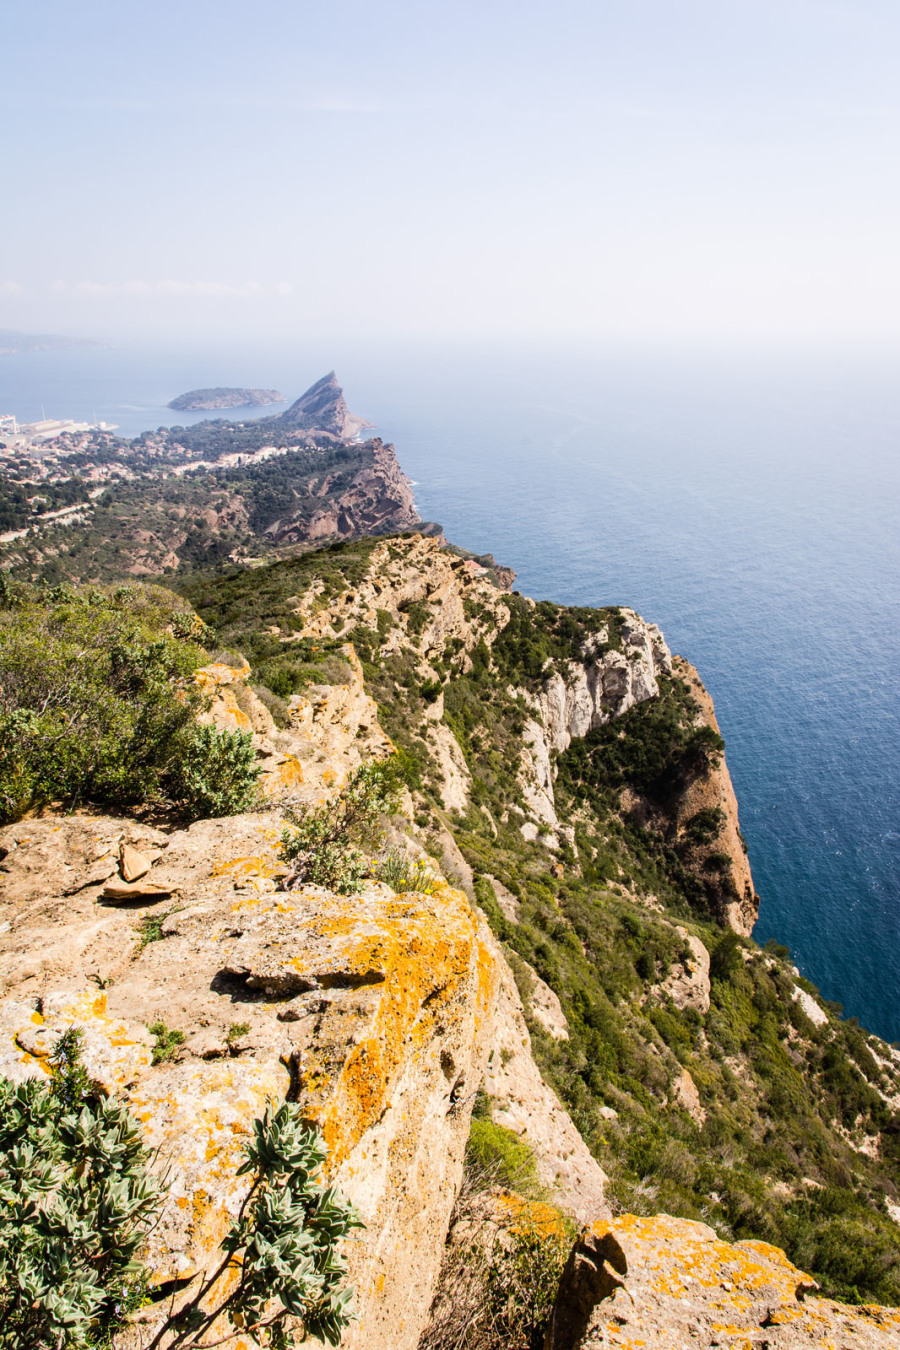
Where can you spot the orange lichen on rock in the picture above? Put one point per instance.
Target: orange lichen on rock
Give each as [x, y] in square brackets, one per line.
[665, 1283]
[418, 956]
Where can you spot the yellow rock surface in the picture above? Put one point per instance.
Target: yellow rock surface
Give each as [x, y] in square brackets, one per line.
[663, 1283]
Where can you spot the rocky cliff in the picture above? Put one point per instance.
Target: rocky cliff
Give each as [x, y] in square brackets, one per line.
[324, 408]
[558, 1025]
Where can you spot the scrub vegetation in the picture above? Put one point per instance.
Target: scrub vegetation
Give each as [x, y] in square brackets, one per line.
[98, 705]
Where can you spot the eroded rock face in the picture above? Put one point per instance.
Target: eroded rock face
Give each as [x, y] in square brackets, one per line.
[687, 984]
[521, 1101]
[373, 1011]
[580, 696]
[669, 1284]
[730, 880]
[333, 728]
[585, 695]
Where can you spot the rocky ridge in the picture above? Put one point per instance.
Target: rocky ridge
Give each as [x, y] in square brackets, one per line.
[324, 408]
[214, 492]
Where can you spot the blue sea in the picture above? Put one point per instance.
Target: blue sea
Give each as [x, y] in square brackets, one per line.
[748, 504]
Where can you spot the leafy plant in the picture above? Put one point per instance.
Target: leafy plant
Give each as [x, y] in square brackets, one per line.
[75, 1204]
[322, 843]
[151, 928]
[283, 1247]
[213, 773]
[167, 1042]
[403, 874]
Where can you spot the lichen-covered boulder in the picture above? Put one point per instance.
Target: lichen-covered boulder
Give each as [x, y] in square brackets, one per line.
[671, 1284]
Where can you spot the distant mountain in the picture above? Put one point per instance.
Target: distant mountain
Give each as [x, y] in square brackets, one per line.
[13, 342]
[324, 408]
[201, 400]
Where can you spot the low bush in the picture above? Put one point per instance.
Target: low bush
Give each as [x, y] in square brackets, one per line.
[77, 1200]
[98, 704]
[212, 773]
[324, 844]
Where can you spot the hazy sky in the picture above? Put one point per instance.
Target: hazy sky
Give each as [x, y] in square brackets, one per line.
[622, 169]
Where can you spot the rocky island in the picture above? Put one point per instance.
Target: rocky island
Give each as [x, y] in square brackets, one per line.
[353, 854]
[207, 400]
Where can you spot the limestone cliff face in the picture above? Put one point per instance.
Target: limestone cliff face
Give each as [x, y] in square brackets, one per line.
[430, 598]
[332, 729]
[604, 684]
[434, 600]
[734, 894]
[579, 696]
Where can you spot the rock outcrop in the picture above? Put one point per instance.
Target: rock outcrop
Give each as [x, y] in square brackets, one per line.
[722, 862]
[581, 696]
[671, 1284]
[373, 1011]
[324, 408]
[687, 984]
[332, 728]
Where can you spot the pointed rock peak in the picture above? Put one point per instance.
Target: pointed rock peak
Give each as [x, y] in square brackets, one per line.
[328, 382]
[324, 408]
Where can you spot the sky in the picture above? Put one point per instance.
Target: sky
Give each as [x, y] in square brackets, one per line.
[627, 170]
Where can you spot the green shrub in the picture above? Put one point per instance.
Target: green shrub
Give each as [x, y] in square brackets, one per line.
[212, 773]
[502, 1156]
[75, 1204]
[323, 843]
[98, 704]
[167, 1042]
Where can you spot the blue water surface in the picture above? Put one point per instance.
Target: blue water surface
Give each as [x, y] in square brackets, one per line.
[748, 505]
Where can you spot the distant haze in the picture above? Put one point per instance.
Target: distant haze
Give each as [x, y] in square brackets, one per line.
[625, 170]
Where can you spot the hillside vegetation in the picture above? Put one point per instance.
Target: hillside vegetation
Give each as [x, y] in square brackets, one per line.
[737, 1109]
[98, 705]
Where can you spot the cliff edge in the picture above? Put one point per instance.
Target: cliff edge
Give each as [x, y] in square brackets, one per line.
[570, 1098]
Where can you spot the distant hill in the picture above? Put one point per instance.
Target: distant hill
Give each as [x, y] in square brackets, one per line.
[12, 342]
[203, 400]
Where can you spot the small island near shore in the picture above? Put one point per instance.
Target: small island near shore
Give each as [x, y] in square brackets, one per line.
[202, 400]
